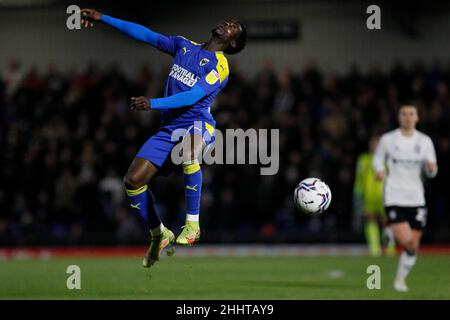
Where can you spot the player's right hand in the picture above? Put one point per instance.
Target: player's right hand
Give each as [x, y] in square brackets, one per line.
[430, 167]
[140, 103]
[89, 15]
[379, 176]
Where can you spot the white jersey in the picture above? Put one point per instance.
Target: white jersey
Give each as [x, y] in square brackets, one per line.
[404, 158]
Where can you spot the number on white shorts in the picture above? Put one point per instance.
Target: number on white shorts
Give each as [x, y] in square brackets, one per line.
[421, 215]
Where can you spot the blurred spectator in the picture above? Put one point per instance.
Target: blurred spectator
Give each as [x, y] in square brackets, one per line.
[68, 138]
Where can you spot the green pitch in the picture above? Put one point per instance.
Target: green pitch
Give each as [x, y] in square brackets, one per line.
[222, 278]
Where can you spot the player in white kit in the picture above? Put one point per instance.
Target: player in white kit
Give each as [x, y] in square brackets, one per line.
[406, 153]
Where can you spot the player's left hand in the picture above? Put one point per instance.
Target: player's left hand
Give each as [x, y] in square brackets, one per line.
[379, 175]
[430, 167]
[140, 103]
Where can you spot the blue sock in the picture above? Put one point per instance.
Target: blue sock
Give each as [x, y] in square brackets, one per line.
[192, 180]
[143, 202]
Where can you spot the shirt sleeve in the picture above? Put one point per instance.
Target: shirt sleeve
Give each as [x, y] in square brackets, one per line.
[178, 100]
[379, 156]
[167, 44]
[357, 186]
[133, 30]
[430, 156]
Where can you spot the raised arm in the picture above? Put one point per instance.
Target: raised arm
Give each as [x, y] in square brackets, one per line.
[430, 165]
[133, 30]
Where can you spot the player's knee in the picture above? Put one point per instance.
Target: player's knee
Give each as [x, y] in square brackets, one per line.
[409, 245]
[402, 240]
[413, 246]
[189, 155]
[411, 251]
[133, 181]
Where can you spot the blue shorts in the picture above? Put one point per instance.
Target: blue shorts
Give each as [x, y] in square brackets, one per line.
[157, 149]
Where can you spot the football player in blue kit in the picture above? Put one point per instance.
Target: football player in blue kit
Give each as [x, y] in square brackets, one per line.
[199, 72]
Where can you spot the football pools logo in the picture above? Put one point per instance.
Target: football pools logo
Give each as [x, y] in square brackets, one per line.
[183, 75]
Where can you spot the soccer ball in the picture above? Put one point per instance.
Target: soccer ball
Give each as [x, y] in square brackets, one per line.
[312, 195]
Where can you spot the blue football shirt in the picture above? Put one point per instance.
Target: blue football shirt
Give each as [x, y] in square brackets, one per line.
[192, 65]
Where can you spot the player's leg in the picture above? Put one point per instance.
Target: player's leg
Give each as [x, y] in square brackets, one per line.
[416, 237]
[192, 179]
[409, 234]
[136, 181]
[372, 233]
[408, 239]
[151, 160]
[139, 175]
[388, 237]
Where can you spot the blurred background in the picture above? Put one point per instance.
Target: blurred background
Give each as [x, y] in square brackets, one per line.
[311, 69]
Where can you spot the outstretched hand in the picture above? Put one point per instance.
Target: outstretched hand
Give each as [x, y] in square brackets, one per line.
[88, 16]
[140, 103]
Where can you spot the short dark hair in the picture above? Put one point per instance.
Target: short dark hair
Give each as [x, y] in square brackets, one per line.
[241, 41]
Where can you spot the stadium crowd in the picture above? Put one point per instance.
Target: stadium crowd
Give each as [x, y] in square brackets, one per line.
[67, 139]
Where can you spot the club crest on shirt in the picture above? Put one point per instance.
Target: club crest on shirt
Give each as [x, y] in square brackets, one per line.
[203, 62]
[417, 148]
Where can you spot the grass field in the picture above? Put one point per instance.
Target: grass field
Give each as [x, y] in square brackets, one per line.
[221, 278]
